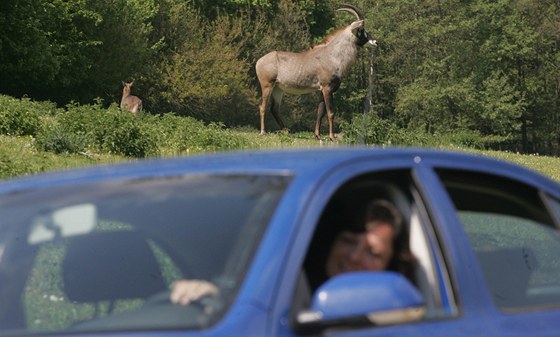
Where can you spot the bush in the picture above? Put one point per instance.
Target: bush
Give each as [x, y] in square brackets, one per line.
[58, 140]
[129, 137]
[208, 77]
[176, 135]
[83, 128]
[462, 138]
[371, 130]
[104, 130]
[22, 117]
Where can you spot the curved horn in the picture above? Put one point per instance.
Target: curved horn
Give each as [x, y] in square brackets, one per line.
[351, 9]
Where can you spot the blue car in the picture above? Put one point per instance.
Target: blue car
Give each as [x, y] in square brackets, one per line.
[96, 251]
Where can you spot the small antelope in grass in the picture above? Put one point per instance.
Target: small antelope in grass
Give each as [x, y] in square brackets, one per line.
[319, 68]
[130, 102]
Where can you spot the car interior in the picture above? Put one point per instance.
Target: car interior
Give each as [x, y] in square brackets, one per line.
[104, 257]
[125, 268]
[396, 187]
[513, 236]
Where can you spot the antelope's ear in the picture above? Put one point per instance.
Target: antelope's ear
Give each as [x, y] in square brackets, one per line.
[356, 24]
[123, 83]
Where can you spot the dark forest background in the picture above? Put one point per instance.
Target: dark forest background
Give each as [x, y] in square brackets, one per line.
[489, 69]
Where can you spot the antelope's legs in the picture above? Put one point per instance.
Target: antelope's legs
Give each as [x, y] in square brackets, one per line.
[328, 97]
[266, 89]
[320, 113]
[277, 95]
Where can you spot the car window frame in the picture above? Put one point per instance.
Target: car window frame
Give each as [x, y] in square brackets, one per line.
[539, 212]
[314, 206]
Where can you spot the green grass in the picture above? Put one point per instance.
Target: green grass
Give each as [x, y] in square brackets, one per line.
[37, 137]
[19, 156]
[549, 166]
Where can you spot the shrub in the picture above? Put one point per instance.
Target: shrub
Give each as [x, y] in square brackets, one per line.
[175, 135]
[93, 127]
[128, 137]
[216, 137]
[22, 117]
[462, 138]
[58, 140]
[111, 131]
[370, 129]
[208, 77]
[89, 121]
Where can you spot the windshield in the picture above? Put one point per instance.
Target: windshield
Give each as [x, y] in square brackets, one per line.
[103, 256]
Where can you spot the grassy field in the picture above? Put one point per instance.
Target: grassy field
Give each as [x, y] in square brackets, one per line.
[38, 137]
[549, 166]
[19, 157]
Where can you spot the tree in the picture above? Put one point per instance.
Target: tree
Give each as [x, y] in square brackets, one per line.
[205, 77]
[78, 50]
[30, 47]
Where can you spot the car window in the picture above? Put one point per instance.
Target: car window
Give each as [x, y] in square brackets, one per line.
[513, 236]
[346, 208]
[102, 256]
[52, 305]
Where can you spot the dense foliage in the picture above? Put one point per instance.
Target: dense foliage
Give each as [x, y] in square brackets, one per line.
[93, 130]
[487, 72]
[89, 134]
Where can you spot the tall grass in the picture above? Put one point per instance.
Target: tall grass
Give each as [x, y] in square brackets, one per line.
[37, 137]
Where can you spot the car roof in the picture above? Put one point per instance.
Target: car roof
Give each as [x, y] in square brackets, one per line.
[293, 161]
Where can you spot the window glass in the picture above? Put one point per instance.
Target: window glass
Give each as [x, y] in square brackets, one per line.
[346, 212]
[102, 256]
[414, 256]
[513, 236]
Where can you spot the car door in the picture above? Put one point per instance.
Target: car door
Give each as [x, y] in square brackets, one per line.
[512, 227]
[401, 180]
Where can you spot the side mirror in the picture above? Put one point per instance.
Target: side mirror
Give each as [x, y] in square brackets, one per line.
[363, 298]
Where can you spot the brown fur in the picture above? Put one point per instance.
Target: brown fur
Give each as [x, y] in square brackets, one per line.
[319, 68]
[130, 102]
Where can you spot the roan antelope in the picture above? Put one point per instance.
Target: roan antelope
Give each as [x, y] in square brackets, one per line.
[130, 102]
[319, 68]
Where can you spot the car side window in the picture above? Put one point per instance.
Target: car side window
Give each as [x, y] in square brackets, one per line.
[335, 248]
[346, 212]
[513, 236]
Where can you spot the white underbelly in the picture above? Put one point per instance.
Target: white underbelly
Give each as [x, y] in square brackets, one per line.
[296, 90]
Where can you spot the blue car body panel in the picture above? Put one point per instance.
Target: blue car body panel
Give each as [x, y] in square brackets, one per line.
[262, 306]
